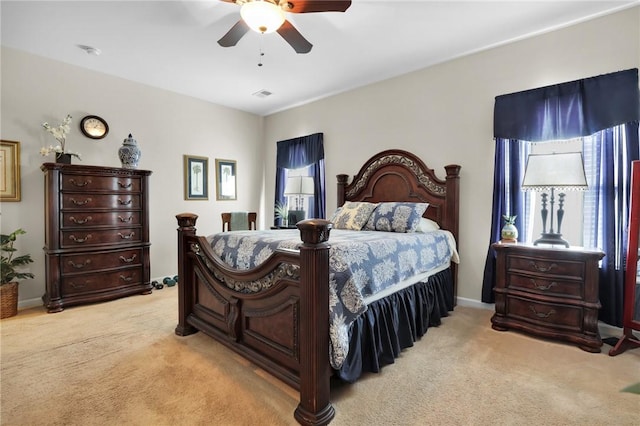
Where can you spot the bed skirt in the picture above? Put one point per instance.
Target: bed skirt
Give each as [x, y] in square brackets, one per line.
[394, 323]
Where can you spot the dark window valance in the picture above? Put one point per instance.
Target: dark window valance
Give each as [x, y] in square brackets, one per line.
[569, 110]
[300, 152]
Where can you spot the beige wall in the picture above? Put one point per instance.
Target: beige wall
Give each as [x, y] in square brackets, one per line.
[444, 114]
[166, 126]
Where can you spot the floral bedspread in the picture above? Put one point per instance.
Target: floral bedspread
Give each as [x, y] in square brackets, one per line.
[361, 263]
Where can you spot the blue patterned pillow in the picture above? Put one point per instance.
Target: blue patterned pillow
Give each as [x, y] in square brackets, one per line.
[396, 217]
[352, 215]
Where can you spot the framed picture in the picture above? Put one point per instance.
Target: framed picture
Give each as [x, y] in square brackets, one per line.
[196, 178]
[225, 180]
[9, 171]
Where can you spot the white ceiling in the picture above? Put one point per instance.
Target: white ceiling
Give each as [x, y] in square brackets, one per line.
[173, 44]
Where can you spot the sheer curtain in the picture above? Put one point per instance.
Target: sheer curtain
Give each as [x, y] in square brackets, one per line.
[607, 104]
[301, 152]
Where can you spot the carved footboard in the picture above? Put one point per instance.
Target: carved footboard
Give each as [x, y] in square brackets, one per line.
[276, 315]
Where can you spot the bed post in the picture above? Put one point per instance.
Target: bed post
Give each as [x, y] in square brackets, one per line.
[453, 214]
[186, 228]
[315, 372]
[342, 186]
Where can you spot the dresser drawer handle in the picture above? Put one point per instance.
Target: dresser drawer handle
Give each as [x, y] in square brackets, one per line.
[129, 260]
[126, 237]
[125, 219]
[79, 184]
[125, 202]
[542, 268]
[126, 279]
[540, 314]
[80, 221]
[79, 240]
[80, 203]
[542, 286]
[80, 265]
[124, 185]
[76, 286]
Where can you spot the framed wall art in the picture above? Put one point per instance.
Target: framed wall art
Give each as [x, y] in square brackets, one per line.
[225, 180]
[9, 171]
[196, 178]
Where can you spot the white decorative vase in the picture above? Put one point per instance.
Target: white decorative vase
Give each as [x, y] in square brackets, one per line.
[129, 153]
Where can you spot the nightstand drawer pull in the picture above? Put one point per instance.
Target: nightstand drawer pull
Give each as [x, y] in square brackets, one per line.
[80, 221]
[80, 265]
[77, 286]
[129, 260]
[79, 184]
[125, 219]
[80, 240]
[540, 314]
[126, 279]
[125, 202]
[80, 203]
[542, 286]
[124, 185]
[126, 237]
[542, 268]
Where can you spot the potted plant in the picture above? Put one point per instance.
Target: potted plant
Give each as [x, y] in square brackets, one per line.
[10, 272]
[281, 211]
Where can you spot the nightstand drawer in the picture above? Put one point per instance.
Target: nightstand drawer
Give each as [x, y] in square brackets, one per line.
[547, 314]
[545, 285]
[547, 267]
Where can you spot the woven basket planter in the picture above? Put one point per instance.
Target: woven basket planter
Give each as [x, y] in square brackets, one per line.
[8, 300]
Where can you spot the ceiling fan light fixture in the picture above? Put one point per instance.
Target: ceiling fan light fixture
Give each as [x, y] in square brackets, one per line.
[262, 16]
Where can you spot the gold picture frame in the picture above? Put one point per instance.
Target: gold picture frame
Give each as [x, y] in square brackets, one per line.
[9, 171]
[226, 182]
[196, 177]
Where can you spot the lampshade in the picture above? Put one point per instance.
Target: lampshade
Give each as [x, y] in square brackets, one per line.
[563, 171]
[299, 185]
[262, 16]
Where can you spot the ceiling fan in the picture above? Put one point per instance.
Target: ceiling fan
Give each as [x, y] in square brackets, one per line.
[266, 16]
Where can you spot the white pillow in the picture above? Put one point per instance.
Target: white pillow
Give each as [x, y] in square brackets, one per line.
[426, 225]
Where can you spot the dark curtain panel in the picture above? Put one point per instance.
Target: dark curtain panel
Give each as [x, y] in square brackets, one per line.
[507, 200]
[564, 111]
[617, 148]
[297, 153]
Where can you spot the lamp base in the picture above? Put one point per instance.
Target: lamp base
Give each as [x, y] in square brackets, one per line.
[551, 238]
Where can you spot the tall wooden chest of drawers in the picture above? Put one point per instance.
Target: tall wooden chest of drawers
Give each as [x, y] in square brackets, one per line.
[96, 234]
[549, 292]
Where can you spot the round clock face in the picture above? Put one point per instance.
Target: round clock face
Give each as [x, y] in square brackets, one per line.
[94, 127]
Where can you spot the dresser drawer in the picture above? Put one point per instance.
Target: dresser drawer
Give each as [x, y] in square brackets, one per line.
[97, 261]
[100, 281]
[549, 266]
[100, 201]
[84, 219]
[88, 183]
[551, 315]
[92, 237]
[545, 285]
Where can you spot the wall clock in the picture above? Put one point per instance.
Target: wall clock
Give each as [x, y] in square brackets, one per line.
[94, 127]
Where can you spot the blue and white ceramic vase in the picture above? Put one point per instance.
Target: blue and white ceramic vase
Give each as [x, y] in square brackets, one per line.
[509, 232]
[129, 153]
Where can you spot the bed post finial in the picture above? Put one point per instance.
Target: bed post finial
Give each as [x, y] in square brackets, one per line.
[315, 372]
[342, 188]
[186, 229]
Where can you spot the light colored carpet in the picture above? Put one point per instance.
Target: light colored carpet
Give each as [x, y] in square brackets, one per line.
[120, 363]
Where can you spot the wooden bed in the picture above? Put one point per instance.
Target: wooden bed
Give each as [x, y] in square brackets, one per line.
[285, 329]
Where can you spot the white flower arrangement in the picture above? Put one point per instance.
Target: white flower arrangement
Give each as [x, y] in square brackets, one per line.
[60, 133]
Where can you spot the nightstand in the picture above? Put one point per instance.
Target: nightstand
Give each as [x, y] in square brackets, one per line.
[550, 292]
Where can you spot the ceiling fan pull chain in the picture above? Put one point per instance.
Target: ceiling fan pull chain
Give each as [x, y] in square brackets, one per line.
[260, 49]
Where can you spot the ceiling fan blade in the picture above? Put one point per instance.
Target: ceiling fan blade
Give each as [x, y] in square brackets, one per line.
[294, 38]
[310, 6]
[234, 35]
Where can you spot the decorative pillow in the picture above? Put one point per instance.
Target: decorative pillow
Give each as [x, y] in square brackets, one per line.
[352, 215]
[427, 225]
[396, 217]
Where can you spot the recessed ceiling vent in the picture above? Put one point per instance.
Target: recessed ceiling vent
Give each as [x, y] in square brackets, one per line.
[262, 93]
